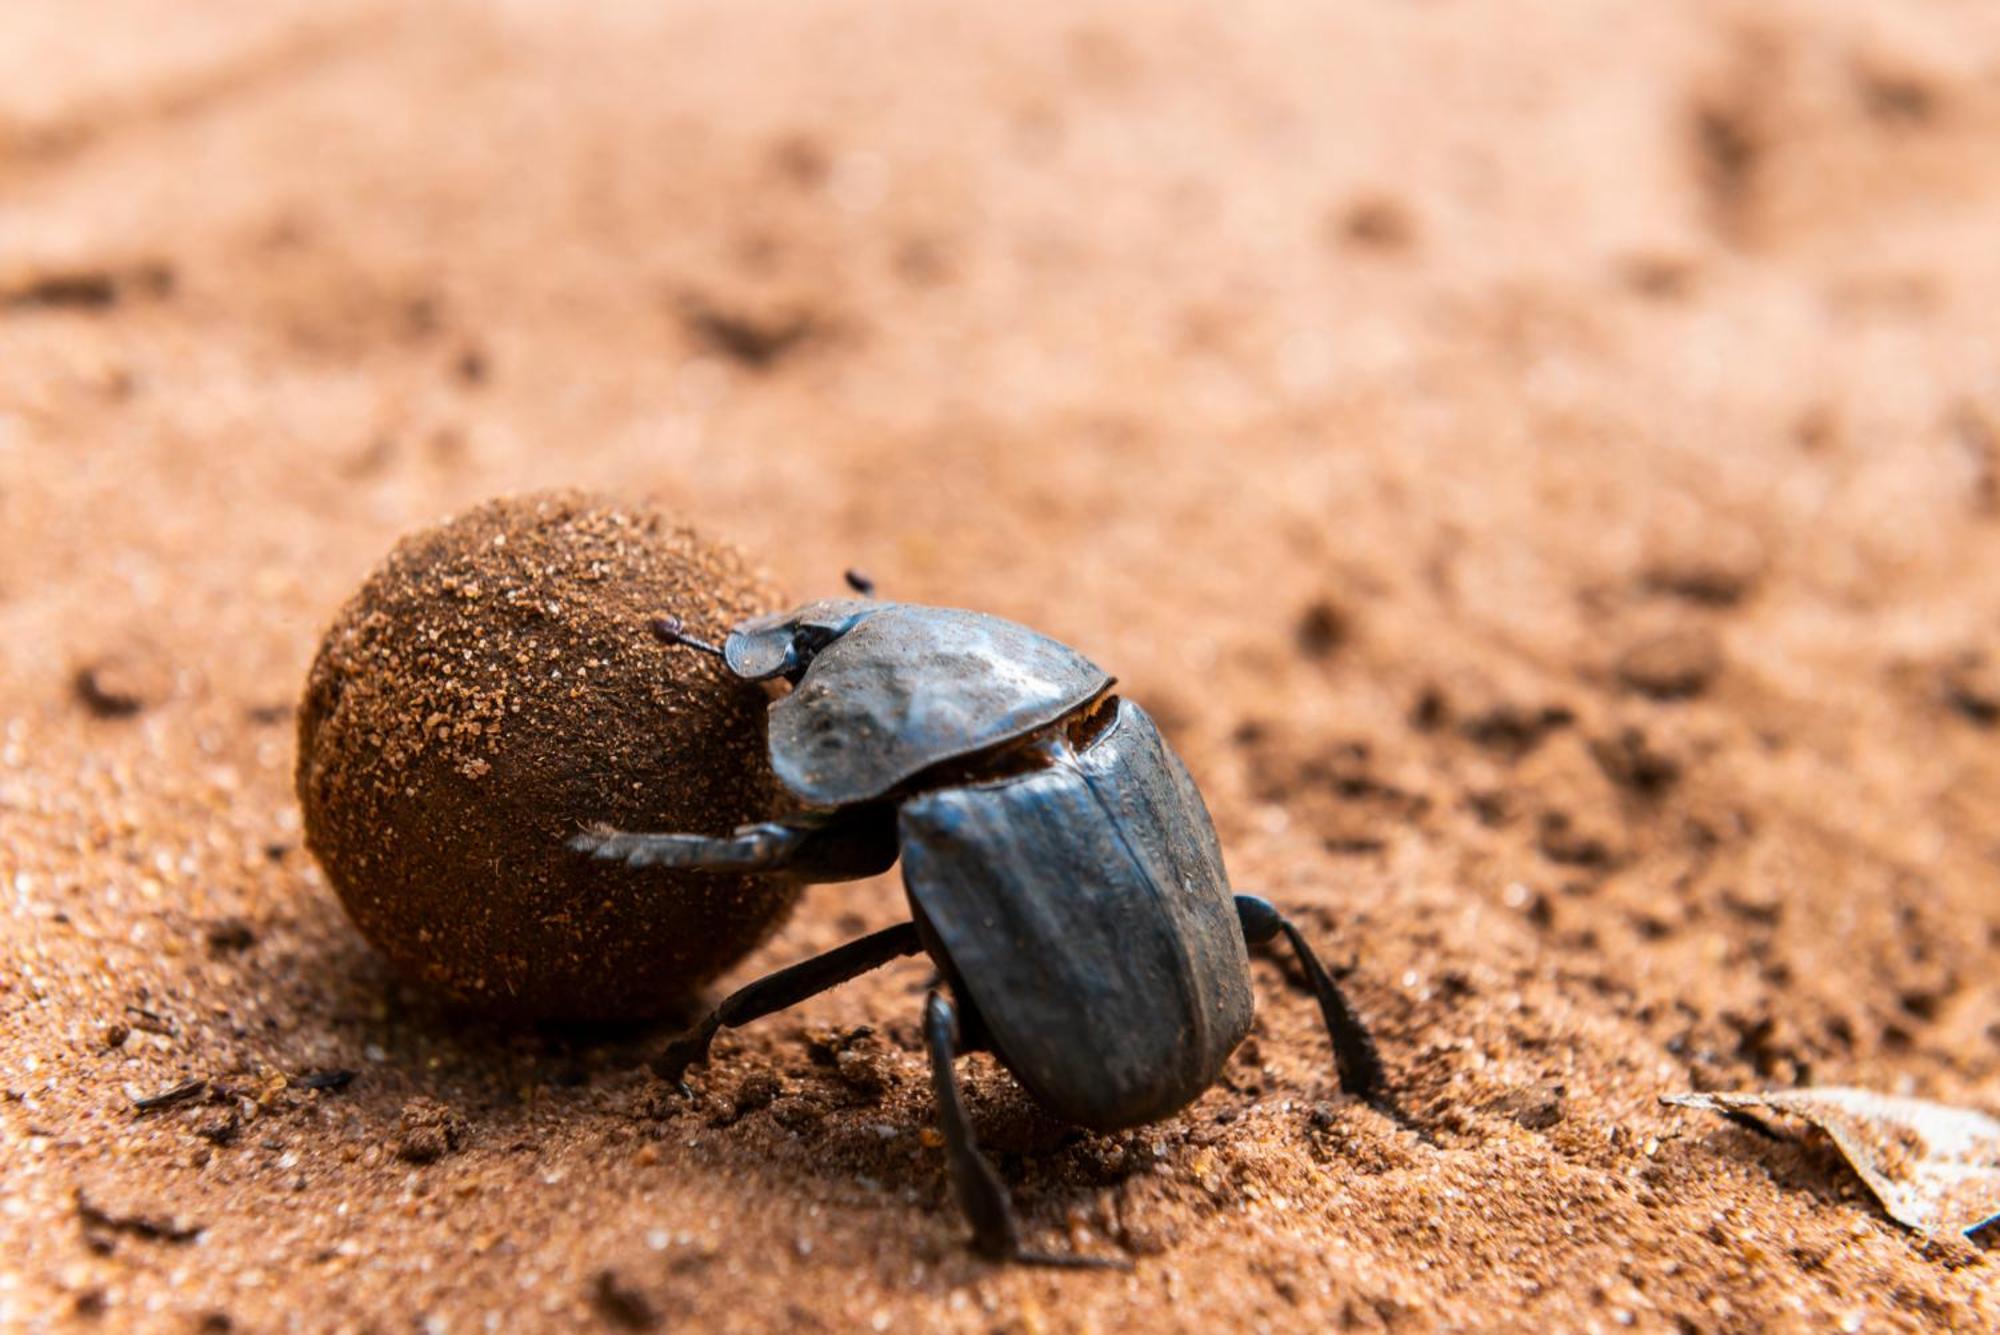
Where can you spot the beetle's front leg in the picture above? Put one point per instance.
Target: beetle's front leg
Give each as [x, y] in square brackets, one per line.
[1355, 1056]
[980, 1192]
[843, 846]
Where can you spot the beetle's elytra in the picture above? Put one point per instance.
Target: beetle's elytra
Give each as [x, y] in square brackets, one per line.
[1061, 869]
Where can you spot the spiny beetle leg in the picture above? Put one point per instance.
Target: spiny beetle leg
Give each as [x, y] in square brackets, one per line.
[980, 1192]
[785, 988]
[766, 847]
[845, 847]
[1355, 1055]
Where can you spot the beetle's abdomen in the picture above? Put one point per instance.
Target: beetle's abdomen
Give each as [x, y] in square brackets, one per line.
[1086, 910]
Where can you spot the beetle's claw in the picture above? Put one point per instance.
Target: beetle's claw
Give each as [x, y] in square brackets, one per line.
[672, 1064]
[671, 1067]
[1386, 1105]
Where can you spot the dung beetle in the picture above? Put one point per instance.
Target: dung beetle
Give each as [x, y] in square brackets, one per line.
[1061, 869]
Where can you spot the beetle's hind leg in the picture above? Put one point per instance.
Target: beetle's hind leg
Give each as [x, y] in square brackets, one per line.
[843, 846]
[980, 1192]
[783, 989]
[1355, 1056]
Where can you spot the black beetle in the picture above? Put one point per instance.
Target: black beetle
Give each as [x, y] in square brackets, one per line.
[1061, 869]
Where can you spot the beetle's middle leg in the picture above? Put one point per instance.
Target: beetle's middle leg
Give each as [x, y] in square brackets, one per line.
[1355, 1055]
[785, 988]
[844, 846]
[980, 1192]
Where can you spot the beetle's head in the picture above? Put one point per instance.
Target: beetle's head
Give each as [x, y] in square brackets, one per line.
[783, 643]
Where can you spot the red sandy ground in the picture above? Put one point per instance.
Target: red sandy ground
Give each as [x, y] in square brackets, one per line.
[1364, 383]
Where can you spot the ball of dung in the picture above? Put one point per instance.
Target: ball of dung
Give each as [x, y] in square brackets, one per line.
[492, 689]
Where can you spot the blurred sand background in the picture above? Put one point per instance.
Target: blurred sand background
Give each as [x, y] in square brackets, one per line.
[1541, 463]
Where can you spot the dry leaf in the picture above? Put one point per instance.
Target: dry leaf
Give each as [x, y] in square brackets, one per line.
[1934, 1168]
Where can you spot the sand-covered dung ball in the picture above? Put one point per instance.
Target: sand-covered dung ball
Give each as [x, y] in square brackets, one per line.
[492, 688]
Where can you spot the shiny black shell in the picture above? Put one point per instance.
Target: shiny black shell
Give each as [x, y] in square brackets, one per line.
[1085, 910]
[908, 687]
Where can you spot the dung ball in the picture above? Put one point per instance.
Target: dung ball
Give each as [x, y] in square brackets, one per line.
[490, 690]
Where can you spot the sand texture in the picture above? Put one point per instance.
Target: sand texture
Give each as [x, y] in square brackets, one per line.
[1540, 464]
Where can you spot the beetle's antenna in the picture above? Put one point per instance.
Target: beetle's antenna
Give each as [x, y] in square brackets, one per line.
[860, 583]
[672, 630]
